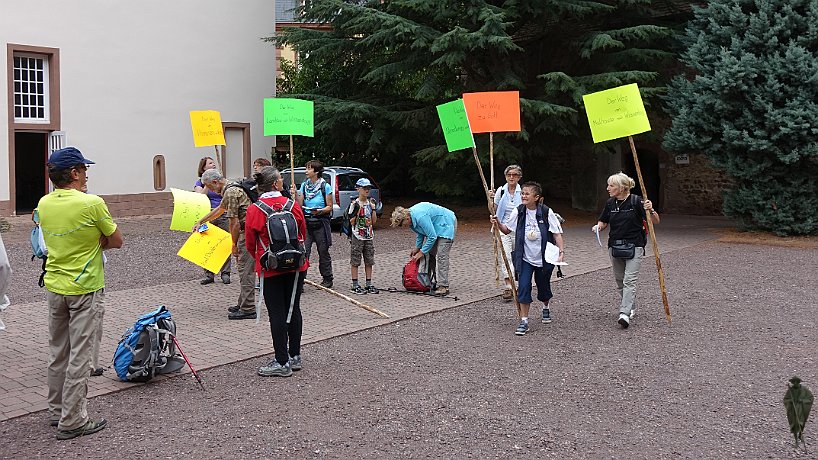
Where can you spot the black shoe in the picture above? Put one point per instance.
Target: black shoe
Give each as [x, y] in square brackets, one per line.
[242, 315]
[90, 427]
[226, 278]
[233, 309]
[206, 281]
[327, 284]
[97, 372]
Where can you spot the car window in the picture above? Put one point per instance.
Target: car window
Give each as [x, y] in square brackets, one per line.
[348, 184]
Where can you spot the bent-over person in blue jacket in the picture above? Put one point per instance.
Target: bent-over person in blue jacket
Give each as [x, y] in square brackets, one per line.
[435, 227]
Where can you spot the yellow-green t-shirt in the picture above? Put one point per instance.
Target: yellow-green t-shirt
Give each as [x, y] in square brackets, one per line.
[72, 223]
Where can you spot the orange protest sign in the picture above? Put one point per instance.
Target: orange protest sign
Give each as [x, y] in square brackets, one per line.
[493, 111]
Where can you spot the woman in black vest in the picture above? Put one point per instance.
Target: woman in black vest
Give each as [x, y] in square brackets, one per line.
[535, 226]
[624, 214]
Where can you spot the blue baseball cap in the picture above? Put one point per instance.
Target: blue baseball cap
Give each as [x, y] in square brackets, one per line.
[66, 158]
[363, 182]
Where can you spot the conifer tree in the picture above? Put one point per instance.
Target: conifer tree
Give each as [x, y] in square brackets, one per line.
[751, 105]
[390, 62]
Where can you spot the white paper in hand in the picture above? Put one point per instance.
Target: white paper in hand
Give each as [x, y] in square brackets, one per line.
[552, 253]
[598, 241]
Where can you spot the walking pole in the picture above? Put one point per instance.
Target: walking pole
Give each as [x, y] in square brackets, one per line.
[652, 234]
[347, 298]
[495, 231]
[176, 342]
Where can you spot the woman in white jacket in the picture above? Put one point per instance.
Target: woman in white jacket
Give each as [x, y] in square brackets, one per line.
[506, 199]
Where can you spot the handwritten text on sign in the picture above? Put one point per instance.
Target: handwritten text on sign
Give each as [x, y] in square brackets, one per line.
[493, 111]
[209, 249]
[455, 125]
[616, 112]
[188, 208]
[288, 116]
[207, 128]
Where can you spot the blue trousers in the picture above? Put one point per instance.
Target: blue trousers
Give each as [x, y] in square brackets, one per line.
[542, 276]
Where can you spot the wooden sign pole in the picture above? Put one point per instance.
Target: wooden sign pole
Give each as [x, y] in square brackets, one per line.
[495, 231]
[292, 162]
[652, 234]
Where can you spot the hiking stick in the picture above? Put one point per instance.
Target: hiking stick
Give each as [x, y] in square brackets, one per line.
[345, 297]
[496, 232]
[652, 234]
[176, 342]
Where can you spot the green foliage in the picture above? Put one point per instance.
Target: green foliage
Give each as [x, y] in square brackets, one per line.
[379, 69]
[751, 106]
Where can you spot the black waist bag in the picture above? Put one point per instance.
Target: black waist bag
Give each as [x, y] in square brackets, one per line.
[623, 250]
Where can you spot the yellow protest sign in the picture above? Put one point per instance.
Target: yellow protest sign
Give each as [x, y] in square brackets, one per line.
[209, 249]
[207, 128]
[188, 208]
[616, 112]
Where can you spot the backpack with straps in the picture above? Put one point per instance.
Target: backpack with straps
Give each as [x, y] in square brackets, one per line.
[248, 186]
[285, 251]
[349, 213]
[147, 349]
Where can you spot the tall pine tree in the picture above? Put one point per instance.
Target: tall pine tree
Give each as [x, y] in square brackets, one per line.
[751, 106]
[381, 68]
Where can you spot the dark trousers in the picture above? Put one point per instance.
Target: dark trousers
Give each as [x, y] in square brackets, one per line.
[542, 276]
[277, 293]
[321, 237]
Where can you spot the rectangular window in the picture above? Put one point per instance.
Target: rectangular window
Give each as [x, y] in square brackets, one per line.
[31, 88]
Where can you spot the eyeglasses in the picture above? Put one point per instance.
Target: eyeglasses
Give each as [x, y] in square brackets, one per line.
[513, 175]
[82, 167]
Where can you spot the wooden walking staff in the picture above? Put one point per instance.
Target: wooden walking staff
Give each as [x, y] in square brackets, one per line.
[347, 298]
[652, 233]
[496, 233]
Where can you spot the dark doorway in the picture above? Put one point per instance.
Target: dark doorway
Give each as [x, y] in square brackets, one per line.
[30, 154]
[649, 164]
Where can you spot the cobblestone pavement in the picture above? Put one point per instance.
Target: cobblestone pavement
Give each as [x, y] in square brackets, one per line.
[209, 339]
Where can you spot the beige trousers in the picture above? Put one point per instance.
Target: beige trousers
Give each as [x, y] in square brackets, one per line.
[247, 277]
[73, 325]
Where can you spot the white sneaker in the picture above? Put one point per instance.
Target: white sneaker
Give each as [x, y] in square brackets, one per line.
[633, 313]
[624, 320]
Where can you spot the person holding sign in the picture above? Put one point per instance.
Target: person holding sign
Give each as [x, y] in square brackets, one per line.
[435, 227]
[506, 199]
[234, 205]
[281, 288]
[624, 214]
[315, 196]
[538, 235]
[221, 221]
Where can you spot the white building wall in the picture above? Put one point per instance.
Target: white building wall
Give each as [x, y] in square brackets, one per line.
[131, 71]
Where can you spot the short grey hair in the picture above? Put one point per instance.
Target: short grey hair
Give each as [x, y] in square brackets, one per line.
[266, 177]
[512, 168]
[211, 175]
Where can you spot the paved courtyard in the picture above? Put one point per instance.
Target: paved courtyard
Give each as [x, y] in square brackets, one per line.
[210, 340]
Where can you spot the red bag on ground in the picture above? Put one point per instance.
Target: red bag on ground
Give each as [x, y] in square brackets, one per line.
[414, 279]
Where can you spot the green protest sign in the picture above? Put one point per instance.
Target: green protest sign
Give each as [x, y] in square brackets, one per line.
[616, 112]
[288, 116]
[455, 125]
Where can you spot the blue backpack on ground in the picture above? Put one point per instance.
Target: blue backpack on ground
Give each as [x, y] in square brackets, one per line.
[147, 348]
[38, 247]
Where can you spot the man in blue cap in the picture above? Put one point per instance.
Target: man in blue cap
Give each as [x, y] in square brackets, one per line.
[77, 227]
[362, 218]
